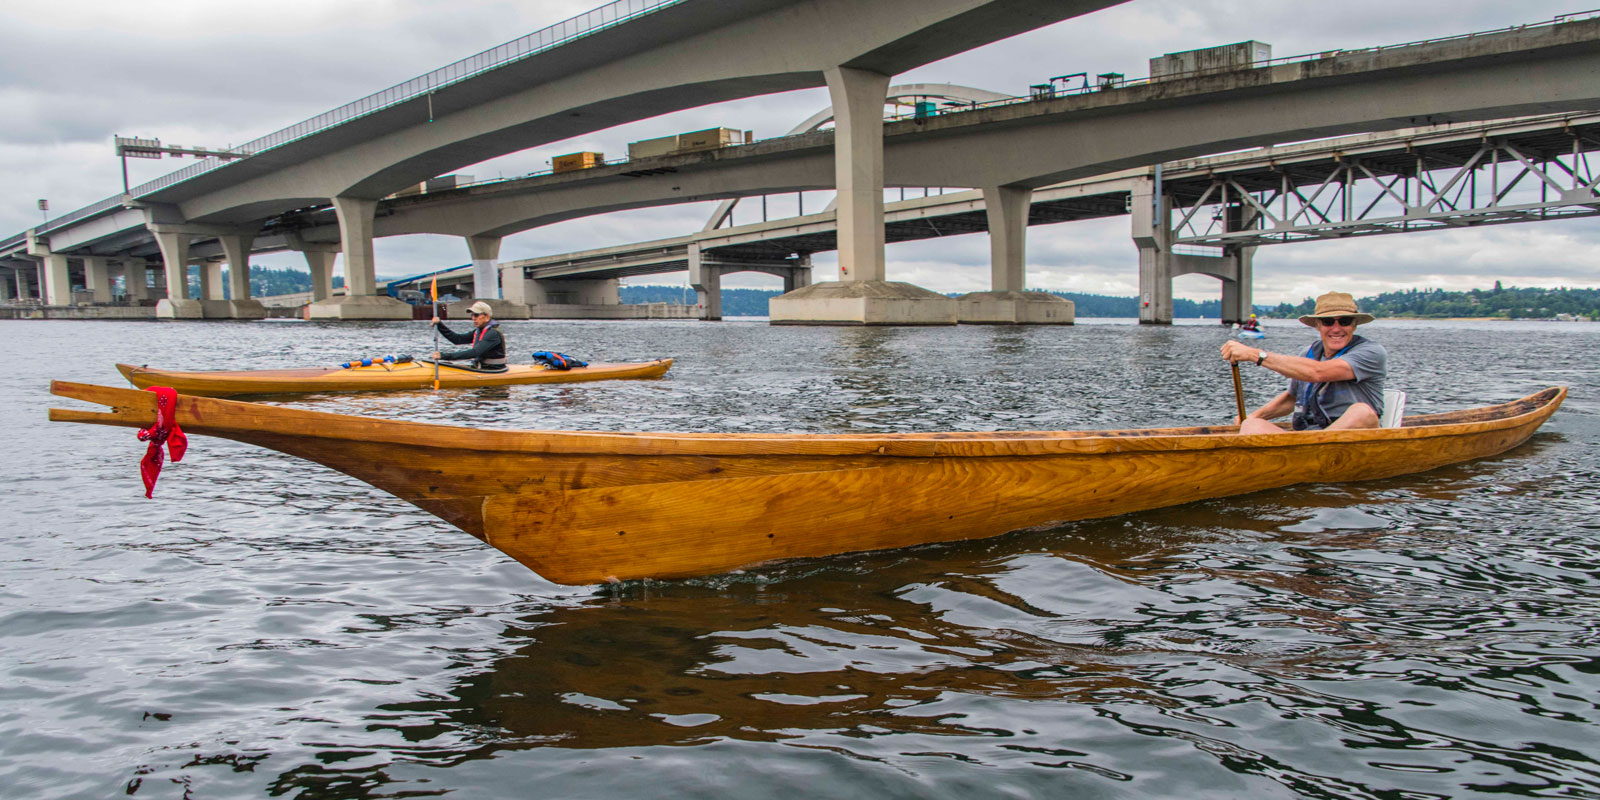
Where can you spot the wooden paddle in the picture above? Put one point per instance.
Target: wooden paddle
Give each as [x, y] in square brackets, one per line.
[1238, 392]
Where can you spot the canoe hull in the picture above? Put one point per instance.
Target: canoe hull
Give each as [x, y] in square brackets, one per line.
[587, 507]
[376, 378]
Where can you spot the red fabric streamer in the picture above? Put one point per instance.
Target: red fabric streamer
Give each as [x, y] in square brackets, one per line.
[164, 432]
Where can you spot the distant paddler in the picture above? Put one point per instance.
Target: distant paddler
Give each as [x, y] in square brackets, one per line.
[1337, 384]
[488, 347]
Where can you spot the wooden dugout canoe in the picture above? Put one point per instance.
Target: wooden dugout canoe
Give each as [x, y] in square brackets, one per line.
[581, 507]
[375, 378]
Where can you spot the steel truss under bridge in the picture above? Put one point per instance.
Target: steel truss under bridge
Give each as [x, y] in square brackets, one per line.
[1524, 170]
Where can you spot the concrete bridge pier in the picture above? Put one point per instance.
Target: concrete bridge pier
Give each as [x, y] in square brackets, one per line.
[210, 282]
[55, 279]
[1158, 265]
[8, 288]
[706, 279]
[861, 296]
[97, 278]
[488, 283]
[174, 247]
[28, 285]
[135, 281]
[361, 299]
[1007, 303]
[1151, 216]
[1237, 293]
[319, 260]
[236, 251]
[799, 275]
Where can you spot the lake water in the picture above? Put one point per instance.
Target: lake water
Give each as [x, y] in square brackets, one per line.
[267, 627]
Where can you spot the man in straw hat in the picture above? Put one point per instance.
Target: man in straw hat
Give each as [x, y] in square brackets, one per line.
[1337, 384]
[488, 350]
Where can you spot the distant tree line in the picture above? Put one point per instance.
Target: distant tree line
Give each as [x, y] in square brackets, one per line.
[1501, 302]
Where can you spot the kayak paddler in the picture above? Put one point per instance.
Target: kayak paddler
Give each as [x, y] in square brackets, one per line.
[1337, 384]
[488, 347]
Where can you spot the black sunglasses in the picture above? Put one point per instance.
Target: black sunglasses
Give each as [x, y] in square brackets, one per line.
[1343, 322]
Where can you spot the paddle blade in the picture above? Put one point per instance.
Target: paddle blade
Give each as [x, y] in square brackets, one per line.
[433, 288]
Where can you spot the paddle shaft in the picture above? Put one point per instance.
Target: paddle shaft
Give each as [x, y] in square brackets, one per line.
[436, 345]
[1238, 391]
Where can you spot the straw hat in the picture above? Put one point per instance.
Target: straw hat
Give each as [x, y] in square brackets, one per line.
[1336, 304]
[483, 308]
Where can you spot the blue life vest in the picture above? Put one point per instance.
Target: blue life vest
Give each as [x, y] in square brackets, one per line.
[1308, 413]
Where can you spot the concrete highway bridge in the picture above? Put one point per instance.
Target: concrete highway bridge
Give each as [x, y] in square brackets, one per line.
[1219, 209]
[319, 187]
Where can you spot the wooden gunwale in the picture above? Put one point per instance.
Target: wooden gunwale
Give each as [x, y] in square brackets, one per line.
[134, 408]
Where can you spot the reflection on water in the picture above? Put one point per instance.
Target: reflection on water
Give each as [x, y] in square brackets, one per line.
[268, 627]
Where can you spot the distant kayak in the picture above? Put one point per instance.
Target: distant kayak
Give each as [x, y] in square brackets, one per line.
[1244, 334]
[376, 377]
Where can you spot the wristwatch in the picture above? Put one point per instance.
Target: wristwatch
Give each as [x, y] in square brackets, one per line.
[1261, 358]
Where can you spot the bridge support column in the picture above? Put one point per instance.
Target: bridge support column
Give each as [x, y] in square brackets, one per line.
[210, 281]
[57, 280]
[799, 276]
[360, 300]
[7, 287]
[175, 266]
[487, 279]
[28, 285]
[861, 296]
[1151, 215]
[135, 283]
[320, 263]
[485, 253]
[97, 278]
[1007, 303]
[1237, 293]
[707, 283]
[239, 305]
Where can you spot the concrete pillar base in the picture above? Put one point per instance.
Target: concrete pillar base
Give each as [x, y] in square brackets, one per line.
[180, 309]
[234, 309]
[1014, 308]
[359, 307]
[503, 309]
[862, 303]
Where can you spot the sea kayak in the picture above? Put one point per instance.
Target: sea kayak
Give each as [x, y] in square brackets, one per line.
[376, 377]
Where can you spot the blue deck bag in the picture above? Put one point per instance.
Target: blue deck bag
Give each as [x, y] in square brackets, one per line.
[552, 360]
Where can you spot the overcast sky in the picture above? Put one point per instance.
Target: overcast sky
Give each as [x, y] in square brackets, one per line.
[74, 73]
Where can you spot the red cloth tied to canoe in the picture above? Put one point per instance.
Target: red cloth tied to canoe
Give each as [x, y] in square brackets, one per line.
[164, 432]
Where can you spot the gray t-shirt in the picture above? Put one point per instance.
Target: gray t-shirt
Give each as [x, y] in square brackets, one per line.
[1369, 361]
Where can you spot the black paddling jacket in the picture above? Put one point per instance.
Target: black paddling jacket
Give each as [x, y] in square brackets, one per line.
[488, 350]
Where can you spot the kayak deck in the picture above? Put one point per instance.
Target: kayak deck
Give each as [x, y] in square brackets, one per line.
[377, 377]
